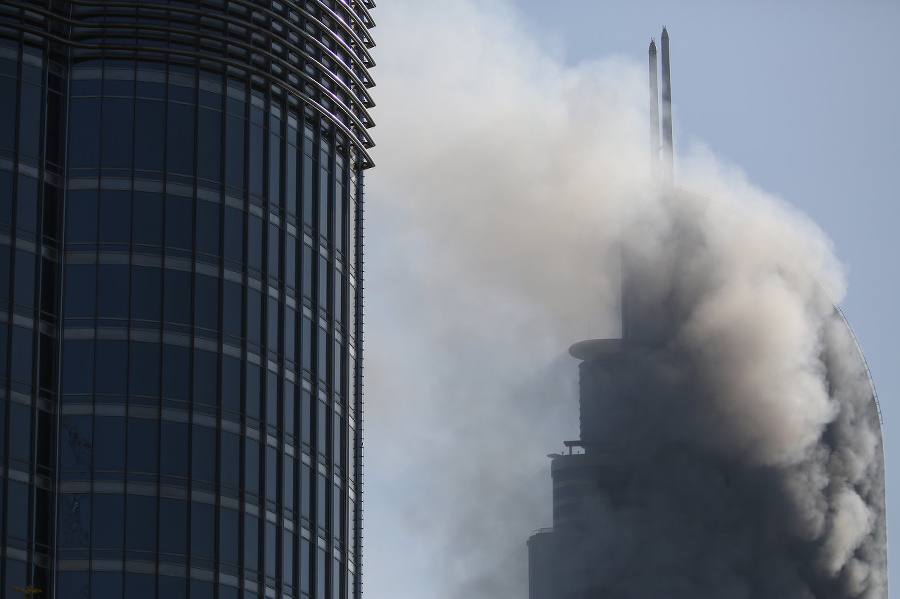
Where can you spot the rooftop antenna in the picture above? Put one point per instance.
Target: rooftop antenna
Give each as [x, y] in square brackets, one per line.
[667, 149]
[654, 112]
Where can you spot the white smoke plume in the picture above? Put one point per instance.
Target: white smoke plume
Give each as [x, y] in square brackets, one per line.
[507, 185]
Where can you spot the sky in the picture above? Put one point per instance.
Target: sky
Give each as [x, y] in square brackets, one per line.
[796, 100]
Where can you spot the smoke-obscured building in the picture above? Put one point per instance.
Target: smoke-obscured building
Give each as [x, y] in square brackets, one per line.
[697, 474]
[180, 297]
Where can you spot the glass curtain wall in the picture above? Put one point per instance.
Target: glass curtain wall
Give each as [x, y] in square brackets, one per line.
[180, 317]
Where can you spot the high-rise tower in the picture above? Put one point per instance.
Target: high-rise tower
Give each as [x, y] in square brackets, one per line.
[180, 297]
[702, 469]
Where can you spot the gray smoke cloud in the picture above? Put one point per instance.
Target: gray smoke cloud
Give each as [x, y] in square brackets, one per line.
[507, 186]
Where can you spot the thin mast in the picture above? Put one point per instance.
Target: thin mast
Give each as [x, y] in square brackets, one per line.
[654, 112]
[667, 145]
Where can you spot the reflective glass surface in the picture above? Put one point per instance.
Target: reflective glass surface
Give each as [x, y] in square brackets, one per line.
[180, 205]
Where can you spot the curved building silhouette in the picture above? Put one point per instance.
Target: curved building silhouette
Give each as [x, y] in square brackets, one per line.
[180, 297]
[698, 474]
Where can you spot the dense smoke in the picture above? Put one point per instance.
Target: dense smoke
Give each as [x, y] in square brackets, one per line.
[507, 186]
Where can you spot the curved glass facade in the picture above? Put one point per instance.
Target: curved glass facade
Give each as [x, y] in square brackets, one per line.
[180, 297]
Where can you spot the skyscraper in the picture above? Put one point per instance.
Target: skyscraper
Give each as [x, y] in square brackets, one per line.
[180, 297]
[702, 469]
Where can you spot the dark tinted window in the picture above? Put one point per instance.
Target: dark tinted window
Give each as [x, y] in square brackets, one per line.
[140, 524]
[117, 127]
[203, 531]
[149, 134]
[84, 135]
[109, 439]
[209, 140]
[203, 453]
[108, 523]
[148, 218]
[177, 305]
[231, 460]
[7, 106]
[173, 526]
[115, 216]
[143, 445]
[179, 222]
[175, 371]
[206, 302]
[232, 308]
[180, 147]
[78, 366]
[146, 293]
[174, 448]
[208, 228]
[112, 291]
[112, 367]
[229, 527]
[81, 216]
[80, 290]
[143, 369]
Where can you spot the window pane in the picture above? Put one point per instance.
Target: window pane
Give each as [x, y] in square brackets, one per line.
[109, 439]
[143, 445]
[30, 120]
[143, 370]
[149, 134]
[78, 366]
[180, 147]
[116, 128]
[231, 460]
[209, 141]
[231, 383]
[76, 443]
[234, 234]
[256, 157]
[203, 531]
[6, 192]
[74, 520]
[23, 286]
[84, 135]
[179, 222]
[176, 371]
[140, 586]
[208, 228]
[232, 308]
[251, 542]
[206, 302]
[146, 293]
[80, 290]
[251, 466]
[203, 453]
[173, 526]
[254, 242]
[108, 523]
[111, 367]
[112, 291]
[254, 316]
[234, 151]
[20, 431]
[27, 203]
[206, 377]
[8, 104]
[252, 395]
[140, 524]
[174, 449]
[177, 304]
[228, 536]
[148, 218]
[115, 216]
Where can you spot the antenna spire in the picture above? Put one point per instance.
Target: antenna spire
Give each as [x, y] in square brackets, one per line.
[667, 136]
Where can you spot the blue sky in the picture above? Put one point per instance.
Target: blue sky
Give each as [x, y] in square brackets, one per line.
[800, 96]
